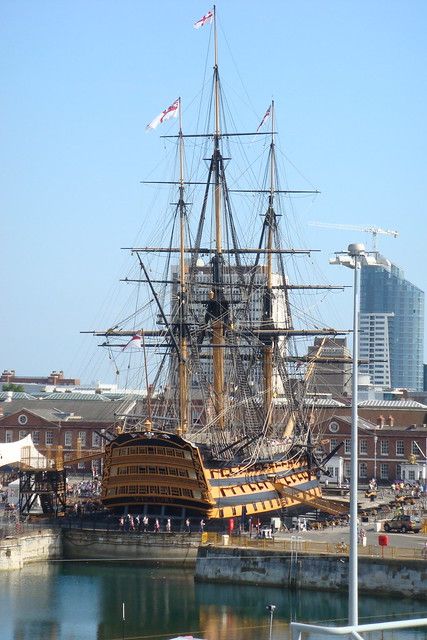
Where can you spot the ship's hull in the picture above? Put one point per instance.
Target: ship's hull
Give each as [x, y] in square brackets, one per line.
[156, 472]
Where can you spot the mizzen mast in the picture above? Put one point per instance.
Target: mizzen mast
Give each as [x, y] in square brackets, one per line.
[267, 320]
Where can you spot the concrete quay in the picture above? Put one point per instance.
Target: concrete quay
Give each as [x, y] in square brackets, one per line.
[316, 569]
[164, 549]
[38, 545]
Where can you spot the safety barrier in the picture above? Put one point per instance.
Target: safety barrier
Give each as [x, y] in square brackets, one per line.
[340, 549]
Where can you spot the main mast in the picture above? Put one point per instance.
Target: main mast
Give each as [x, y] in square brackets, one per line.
[217, 260]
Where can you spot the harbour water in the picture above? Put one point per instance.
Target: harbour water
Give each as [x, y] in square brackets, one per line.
[83, 601]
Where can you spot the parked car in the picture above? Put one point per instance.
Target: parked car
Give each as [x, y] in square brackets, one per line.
[403, 524]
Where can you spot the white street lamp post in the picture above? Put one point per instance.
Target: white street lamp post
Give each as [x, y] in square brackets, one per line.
[271, 608]
[352, 259]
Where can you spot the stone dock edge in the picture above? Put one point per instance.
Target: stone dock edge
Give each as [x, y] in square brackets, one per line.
[239, 565]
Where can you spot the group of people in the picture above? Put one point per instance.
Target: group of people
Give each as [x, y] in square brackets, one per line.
[140, 523]
[136, 523]
[405, 488]
[84, 488]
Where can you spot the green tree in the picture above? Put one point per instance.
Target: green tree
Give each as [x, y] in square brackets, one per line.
[10, 386]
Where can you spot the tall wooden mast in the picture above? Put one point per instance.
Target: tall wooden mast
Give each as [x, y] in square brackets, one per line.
[217, 260]
[182, 301]
[268, 321]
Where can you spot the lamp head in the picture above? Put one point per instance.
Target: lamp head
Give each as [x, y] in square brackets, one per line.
[271, 608]
[356, 249]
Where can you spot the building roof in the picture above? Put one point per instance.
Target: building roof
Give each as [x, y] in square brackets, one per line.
[325, 402]
[361, 422]
[367, 425]
[90, 397]
[391, 404]
[15, 395]
[67, 411]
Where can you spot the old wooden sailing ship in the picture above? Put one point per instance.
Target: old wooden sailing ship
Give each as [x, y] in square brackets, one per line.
[225, 429]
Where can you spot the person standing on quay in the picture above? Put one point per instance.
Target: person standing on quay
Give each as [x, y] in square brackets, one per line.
[168, 525]
[187, 525]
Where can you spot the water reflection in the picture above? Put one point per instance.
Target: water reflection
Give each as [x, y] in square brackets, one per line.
[83, 601]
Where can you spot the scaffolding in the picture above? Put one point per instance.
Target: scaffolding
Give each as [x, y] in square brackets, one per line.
[42, 478]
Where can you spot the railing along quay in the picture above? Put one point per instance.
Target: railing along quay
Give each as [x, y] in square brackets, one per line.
[12, 529]
[296, 543]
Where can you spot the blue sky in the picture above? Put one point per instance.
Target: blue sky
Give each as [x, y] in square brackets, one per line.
[80, 81]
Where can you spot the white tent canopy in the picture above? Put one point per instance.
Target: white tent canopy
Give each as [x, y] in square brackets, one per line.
[12, 453]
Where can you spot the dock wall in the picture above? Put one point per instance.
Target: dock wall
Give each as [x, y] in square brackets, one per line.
[306, 571]
[171, 549]
[39, 546]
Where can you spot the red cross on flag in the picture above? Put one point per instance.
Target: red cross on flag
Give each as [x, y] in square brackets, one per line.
[170, 112]
[206, 19]
[265, 118]
[134, 343]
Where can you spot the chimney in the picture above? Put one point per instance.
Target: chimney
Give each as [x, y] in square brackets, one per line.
[7, 375]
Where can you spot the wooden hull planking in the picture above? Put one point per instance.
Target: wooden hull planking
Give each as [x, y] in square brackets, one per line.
[161, 469]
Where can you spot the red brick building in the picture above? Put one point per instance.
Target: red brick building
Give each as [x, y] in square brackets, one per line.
[384, 447]
[56, 378]
[75, 425]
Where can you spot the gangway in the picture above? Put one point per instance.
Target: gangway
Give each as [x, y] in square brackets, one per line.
[333, 507]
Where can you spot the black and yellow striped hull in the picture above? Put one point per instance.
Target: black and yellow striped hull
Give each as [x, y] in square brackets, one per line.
[157, 469]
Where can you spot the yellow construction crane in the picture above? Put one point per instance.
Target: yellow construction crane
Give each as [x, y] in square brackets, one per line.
[374, 231]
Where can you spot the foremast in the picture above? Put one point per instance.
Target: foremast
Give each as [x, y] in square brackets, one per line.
[182, 297]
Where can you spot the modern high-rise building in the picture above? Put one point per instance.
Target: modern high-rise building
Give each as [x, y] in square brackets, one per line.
[374, 348]
[248, 310]
[394, 309]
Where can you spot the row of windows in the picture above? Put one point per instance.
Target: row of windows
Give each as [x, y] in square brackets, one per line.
[49, 437]
[150, 451]
[151, 470]
[382, 447]
[384, 471]
[144, 490]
